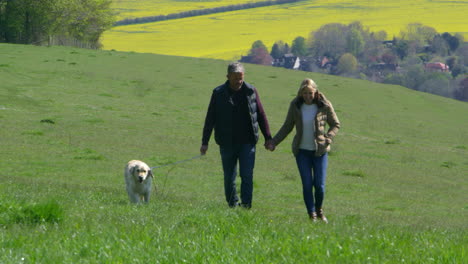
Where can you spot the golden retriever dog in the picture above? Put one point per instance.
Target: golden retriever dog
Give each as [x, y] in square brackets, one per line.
[138, 179]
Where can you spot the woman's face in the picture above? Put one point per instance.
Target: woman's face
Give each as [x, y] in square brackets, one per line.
[308, 94]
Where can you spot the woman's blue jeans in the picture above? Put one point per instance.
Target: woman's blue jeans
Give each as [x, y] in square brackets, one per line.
[313, 171]
[245, 155]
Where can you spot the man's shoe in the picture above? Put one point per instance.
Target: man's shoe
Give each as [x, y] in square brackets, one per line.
[245, 206]
[321, 216]
[313, 216]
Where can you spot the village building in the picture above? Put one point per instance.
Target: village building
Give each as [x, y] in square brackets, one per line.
[436, 67]
[288, 61]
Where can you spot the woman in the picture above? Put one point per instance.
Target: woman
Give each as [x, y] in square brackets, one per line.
[309, 112]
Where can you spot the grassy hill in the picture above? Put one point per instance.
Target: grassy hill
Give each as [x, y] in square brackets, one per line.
[230, 35]
[71, 118]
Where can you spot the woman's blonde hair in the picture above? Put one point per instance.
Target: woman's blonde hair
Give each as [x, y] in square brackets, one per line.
[306, 83]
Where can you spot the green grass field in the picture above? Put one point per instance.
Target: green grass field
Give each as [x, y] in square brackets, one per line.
[230, 35]
[71, 118]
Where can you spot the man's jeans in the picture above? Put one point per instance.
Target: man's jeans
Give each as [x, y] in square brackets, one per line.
[313, 172]
[245, 154]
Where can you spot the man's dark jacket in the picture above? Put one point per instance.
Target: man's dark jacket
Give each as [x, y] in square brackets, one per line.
[219, 115]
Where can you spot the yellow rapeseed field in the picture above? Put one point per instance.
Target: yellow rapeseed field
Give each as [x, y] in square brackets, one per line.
[144, 8]
[230, 35]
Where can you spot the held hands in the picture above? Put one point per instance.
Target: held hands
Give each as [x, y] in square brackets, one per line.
[203, 149]
[270, 145]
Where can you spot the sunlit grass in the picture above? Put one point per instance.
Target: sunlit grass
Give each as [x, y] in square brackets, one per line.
[396, 184]
[230, 35]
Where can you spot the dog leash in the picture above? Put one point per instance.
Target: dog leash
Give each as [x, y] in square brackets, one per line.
[177, 162]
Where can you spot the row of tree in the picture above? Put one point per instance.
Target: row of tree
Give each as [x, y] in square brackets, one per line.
[54, 21]
[354, 51]
[201, 12]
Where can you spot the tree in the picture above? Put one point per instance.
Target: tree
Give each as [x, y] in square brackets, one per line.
[89, 19]
[462, 53]
[395, 78]
[26, 21]
[258, 44]
[412, 60]
[462, 92]
[260, 56]
[329, 39]
[354, 42]
[35, 21]
[347, 64]
[452, 41]
[299, 47]
[380, 35]
[436, 83]
[401, 48]
[287, 49]
[389, 58]
[374, 48]
[418, 34]
[357, 25]
[451, 62]
[279, 49]
[2, 19]
[414, 76]
[457, 70]
[454, 66]
[439, 46]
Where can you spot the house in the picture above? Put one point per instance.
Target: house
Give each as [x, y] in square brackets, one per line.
[288, 61]
[246, 59]
[324, 62]
[388, 43]
[436, 67]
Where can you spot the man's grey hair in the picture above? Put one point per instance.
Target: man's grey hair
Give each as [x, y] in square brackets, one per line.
[235, 67]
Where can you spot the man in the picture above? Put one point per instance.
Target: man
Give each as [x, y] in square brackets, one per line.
[236, 114]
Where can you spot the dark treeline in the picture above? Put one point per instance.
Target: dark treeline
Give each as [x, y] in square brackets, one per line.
[201, 12]
[420, 58]
[55, 22]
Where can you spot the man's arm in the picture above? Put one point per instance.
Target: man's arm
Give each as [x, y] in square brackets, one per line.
[262, 118]
[210, 120]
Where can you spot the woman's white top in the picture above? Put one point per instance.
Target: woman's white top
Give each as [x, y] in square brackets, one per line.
[308, 126]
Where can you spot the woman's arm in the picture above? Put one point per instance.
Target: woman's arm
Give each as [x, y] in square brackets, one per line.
[333, 122]
[287, 126]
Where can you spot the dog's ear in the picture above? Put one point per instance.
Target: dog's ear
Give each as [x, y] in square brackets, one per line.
[132, 170]
[150, 173]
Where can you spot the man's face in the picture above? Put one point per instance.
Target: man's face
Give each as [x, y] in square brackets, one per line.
[236, 79]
